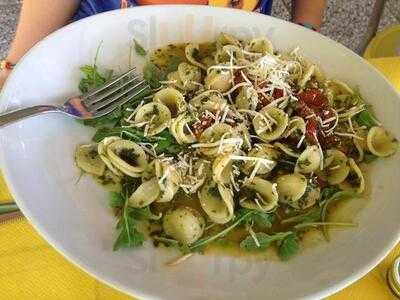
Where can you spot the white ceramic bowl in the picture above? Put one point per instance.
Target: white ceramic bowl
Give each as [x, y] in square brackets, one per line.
[37, 158]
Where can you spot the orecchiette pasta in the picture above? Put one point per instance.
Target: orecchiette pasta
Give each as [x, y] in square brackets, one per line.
[263, 195]
[173, 99]
[259, 45]
[190, 51]
[219, 138]
[127, 157]
[233, 136]
[87, 158]
[154, 116]
[309, 160]
[145, 194]
[380, 142]
[270, 123]
[355, 179]
[180, 129]
[184, 224]
[217, 202]
[219, 80]
[336, 166]
[190, 76]
[291, 187]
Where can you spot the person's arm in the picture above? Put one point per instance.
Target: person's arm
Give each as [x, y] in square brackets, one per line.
[308, 12]
[38, 18]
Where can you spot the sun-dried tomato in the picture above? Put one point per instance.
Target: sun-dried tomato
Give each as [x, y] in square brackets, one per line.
[203, 124]
[314, 98]
[312, 129]
[277, 93]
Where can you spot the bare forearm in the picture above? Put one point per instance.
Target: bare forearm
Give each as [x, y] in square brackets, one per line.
[309, 11]
[38, 18]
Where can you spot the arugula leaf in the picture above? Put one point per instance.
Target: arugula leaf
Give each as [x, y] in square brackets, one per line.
[265, 240]
[208, 239]
[116, 200]
[129, 185]
[369, 158]
[129, 236]
[110, 119]
[173, 64]
[128, 133]
[168, 144]
[183, 248]
[92, 78]
[289, 246]
[310, 216]
[328, 192]
[144, 213]
[153, 75]
[139, 49]
[259, 218]
[366, 118]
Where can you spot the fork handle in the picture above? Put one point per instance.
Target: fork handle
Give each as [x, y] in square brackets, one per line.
[17, 115]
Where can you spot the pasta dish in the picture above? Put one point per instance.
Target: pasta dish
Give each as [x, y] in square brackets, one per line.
[237, 142]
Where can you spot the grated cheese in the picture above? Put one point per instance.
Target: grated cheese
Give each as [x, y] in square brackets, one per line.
[348, 135]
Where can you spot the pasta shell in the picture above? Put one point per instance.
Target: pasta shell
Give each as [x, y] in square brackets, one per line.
[380, 142]
[355, 179]
[228, 53]
[227, 39]
[337, 90]
[180, 129]
[175, 80]
[309, 160]
[189, 76]
[291, 187]
[309, 198]
[265, 151]
[286, 149]
[217, 202]
[127, 157]
[88, 160]
[219, 80]
[213, 138]
[173, 99]
[157, 116]
[168, 192]
[296, 126]
[270, 123]
[335, 167]
[184, 224]
[191, 52]
[222, 168]
[246, 98]
[102, 150]
[266, 196]
[145, 194]
[260, 45]
[310, 72]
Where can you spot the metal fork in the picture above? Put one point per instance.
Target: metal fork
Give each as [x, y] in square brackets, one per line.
[95, 103]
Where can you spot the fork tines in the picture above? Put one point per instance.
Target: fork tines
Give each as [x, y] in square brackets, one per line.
[114, 93]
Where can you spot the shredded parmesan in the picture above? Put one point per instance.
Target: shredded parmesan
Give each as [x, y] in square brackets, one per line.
[348, 135]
